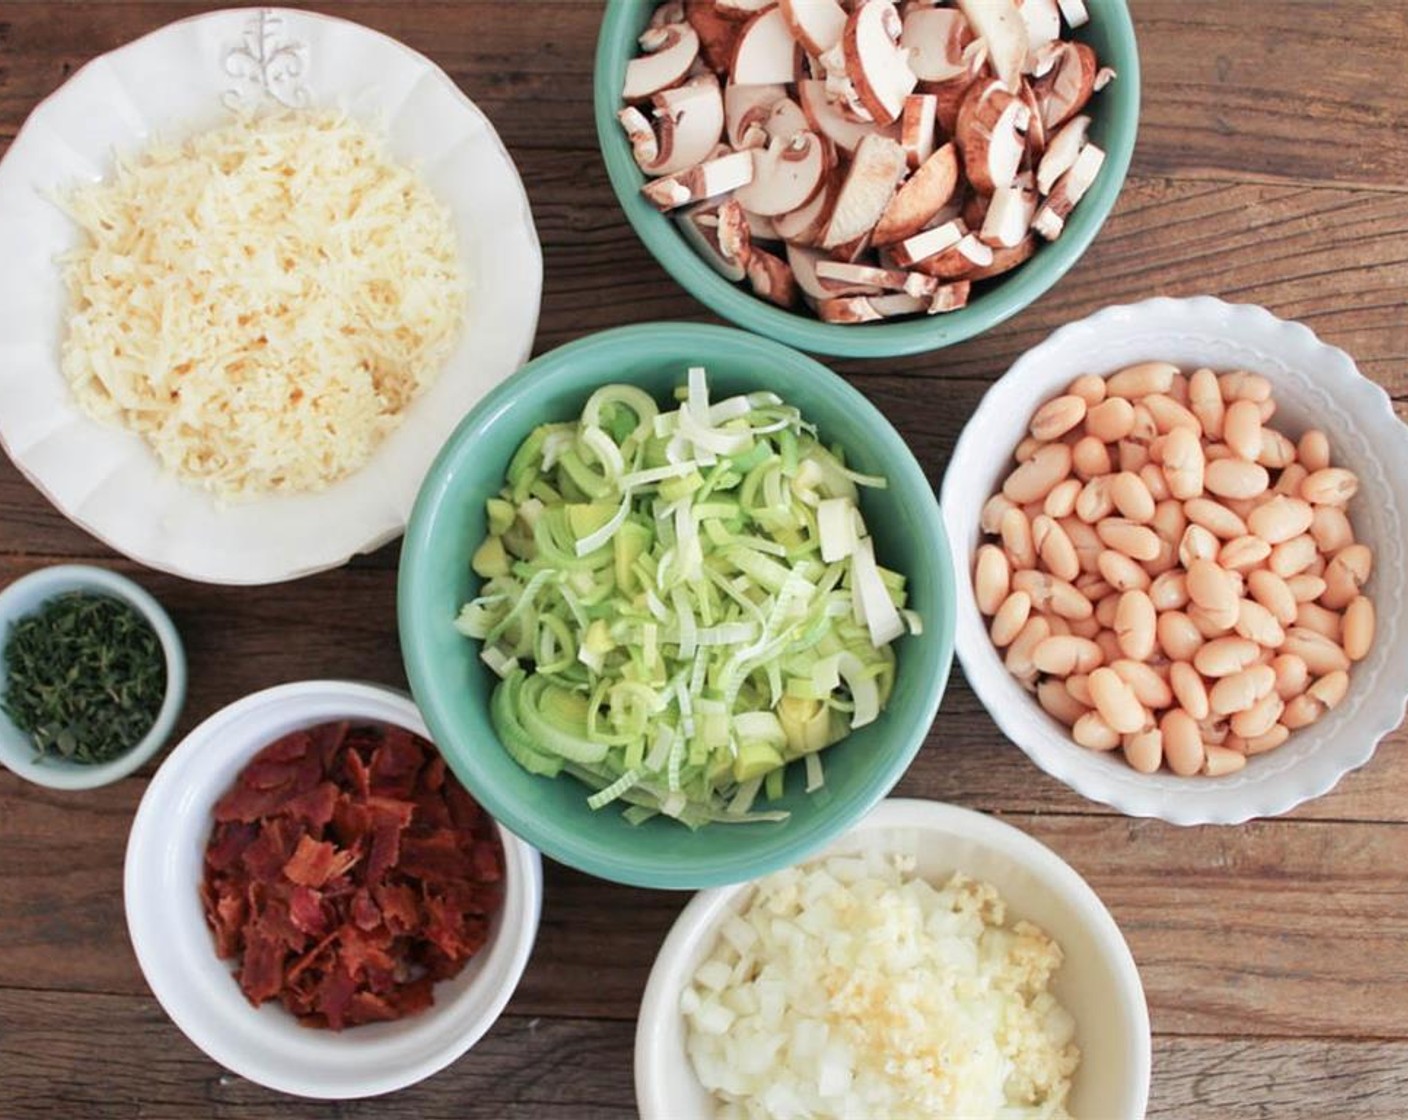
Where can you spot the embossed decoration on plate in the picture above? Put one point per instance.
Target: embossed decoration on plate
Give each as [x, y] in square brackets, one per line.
[267, 65]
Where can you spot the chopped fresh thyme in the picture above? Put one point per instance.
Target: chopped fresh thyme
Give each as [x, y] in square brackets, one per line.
[85, 676]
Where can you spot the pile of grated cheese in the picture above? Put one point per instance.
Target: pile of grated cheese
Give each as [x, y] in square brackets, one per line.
[262, 301]
[852, 989]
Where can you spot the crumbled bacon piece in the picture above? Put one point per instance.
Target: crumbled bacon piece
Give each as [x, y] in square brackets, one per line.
[348, 872]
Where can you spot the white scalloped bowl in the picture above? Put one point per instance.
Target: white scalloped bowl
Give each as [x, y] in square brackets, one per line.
[180, 79]
[1315, 385]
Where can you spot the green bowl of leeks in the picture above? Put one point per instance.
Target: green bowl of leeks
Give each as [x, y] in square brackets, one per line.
[456, 689]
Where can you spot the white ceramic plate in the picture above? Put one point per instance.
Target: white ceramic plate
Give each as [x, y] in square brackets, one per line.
[1098, 983]
[1314, 385]
[176, 950]
[181, 79]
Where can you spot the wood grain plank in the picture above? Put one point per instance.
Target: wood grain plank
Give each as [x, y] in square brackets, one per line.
[114, 1057]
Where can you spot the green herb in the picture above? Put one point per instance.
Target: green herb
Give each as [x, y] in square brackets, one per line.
[85, 677]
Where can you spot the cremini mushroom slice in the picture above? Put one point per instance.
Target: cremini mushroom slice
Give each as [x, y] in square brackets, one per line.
[1043, 21]
[847, 309]
[786, 174]
[1070, 188]
[1001, 27]
[894, 304]
[913, 251]
[878, 165]
[1011, 212]
[771, 278]
[1103, 77]
[688, 122]
[920, 198]
[709, 179]
[828, 120]
[717, 36]
[876, 64]
[1004, 260]
[766, 53]
[935, 39]
[960, 261]
[741, 9]
[1063, 88]
[645, 145]
[1061, 152]
[991, 135]
[761, 227]
[804, 225]
[1074, 12]
[746, 112]
[890, 279]
[804, 262]
[917, 127]
[669, 53]
[701, 226]
[816, 24]
[950, 297]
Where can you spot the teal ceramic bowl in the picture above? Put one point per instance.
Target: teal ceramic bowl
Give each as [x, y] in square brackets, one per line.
[452, 686]
[1115, 119]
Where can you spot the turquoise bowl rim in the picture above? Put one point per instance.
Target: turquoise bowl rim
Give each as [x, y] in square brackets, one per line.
[575, 366]
[1115, 116]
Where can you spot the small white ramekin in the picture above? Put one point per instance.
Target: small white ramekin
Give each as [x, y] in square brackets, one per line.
[1314, 385]
[176, 950]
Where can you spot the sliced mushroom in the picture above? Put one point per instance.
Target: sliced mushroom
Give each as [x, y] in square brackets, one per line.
[827, 119]
[689, 120]
[741, 9]
[875, 62]
[1074, 11]
[816, 24]
[975, 210]
[1070, 188]
[919, 198]
[1103, 77]
[1043, 22]
[917, 123]
[746, 111]
[878, 165]
[892, 279]
[703, 229]
[766, 53]
[804, 225]
[960, 262]
[1063, 89]
[717, 36]
[894, 304]
[950, 297]
[935, 38]
[761, 227]
[804, 262]
[786, 174]
[1061, 153]
[991, 135]
[1011, 212]
[785, 120]
[1004, 260]
[999, 24]
[1036, 128]
[670, 52]
[913, 251]
[709, 179]
[847, 309]
[672, 11]
[771, 278]
[645, 145]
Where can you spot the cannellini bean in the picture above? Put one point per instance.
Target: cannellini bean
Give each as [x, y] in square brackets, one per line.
[1088, 387]
[1259, 718]
[1239, 385]
[1144, 750]
[1346, 573]
[1092, 732]
[1331, 486]
[1220, 761]
[1153, 477]
[1131, 497]
[1065, 654]
[990, 520]
[1182, 742]
[1019, 654]
[1059, 626]
[1319, 653]
[1258, 624]
[1016, 533]
[1280, 519]
[1094, 502]
[1215, 517]
[1142, 379]
[1109, 645]
[1293, 556]
[1135, 620]
[1242, 554]
[1291, 675]
[1138, 542]
[1052, 593]
[1029, 446]
[1209, 585]
[1273, 593]
[1011, 616]
[1313, 450]
[1266, 409]
[1078, 685]
[1133, 456]
[1086, 541]
[1235, 478]
[1116, 702]
[1169, 591]
[1301, 711]
[1057, 417]
[1241, 430]
[1092, 584]
[1149, 688]
[1290, 479]
[1144, 430]
[1057, 552]
[1331, 529]
[1187, 687]
[1083, 627]
[1178, 637]
[1059, 703]
[1358, 632]
[1213, 623]
[1214, 730]
[992, 578]
[1105, 610]
[1168, 414]
[1223, 657]
[1197, 544]
[1276, 450]
[1239, 691]
[1169, 521]
[1111, 420]
[1183, 464]
[1312, 616]
[1205, 402]
[1034, 479]
[1330, 689]
[1120, 572]
[1061, 501]
[1090, 458]
[1305, 588]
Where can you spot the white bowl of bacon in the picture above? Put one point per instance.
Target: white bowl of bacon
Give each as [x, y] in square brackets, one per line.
[304, 859]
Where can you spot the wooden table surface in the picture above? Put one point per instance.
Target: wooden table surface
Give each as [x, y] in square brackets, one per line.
[1272, 167]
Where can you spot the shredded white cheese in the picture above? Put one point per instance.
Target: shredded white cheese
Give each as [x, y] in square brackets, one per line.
[852, 989]
[262, 301]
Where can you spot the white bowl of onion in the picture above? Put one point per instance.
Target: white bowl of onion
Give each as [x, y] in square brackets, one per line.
[1097, 983]
[1314, 386]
